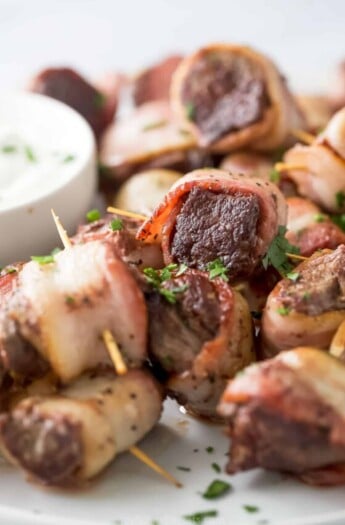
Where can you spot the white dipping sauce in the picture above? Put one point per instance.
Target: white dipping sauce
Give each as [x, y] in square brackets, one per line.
[28, 169]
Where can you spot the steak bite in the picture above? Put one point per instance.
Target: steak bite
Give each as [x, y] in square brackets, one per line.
[210, 214]
[232, 96]
[67, 86]
[287, 414]
[308, 309]
[200, 339]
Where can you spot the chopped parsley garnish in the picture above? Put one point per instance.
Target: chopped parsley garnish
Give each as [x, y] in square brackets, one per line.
[339, 220]
[10, 269]
[340, 199]
[43, 259]
[190, 110]
[320, 217]
[68, 158]
[251, 508]
[69, 299]
[199, 517]
[283, 310]
[55, 251]
[155, 125]
[30, 154]
[9, 148]
[157, 277]
[275, 176]
[93, 215]
[216, 489]
[116, 225]
[100, 100]
[216, 467]
[184, 469]
[293, 276]
[209, 450]
[182, 269]
[217, 269]
[276, 254]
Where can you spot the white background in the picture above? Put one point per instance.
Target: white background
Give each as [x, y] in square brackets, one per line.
[306, 37]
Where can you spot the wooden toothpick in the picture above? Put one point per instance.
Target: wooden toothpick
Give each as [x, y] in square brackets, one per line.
[125, 213]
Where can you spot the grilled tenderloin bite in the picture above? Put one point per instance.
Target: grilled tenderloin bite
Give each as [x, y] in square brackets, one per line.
[210, 214]
[67, 86]
[62, 308]
[287, 414]
[232, 96]
[308, 310]
[201, 340]
[73, 435]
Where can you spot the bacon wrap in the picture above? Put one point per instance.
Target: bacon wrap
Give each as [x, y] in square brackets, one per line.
[161, 225]
[200, 387]
[287, 414]
[62, 308]
[264, 129]
[309, 310]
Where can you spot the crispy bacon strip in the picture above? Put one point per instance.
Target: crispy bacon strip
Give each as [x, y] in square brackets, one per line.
[287, 414]
[210, 214]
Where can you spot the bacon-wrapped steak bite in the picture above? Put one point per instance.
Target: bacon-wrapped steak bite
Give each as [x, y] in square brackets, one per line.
[61, 309]
[201, 339]
[309, 228]
[151, 137]
[210, 214]
[287, 414]
[307, 308]
[318, 170]
[67, 86]
[71, 436]
[154, 83]
[232, 96]
[121, 232]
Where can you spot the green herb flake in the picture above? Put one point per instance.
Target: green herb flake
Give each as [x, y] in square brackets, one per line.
[170, 295]
[9, 148]
[320, 217]
[217, 269]
[155, 125]
[55, 251]
[275, 176]
[69, 300]
[339, 220]
[340, 199]
[199, 517]
[30, 154]
[251, 508]
[154, 522]
[10, 269]
[283, 310]
[93, 215]
[99, 100]
[189, 110]
[68, 158]
[293, 276]
[157, 277]
[116, 225]
[209, 450]
[181, 270]
[43, 259]
[216, 468]
[166, 273]
[216, 489]
[183, 469]
[306, 296]
[276, 253]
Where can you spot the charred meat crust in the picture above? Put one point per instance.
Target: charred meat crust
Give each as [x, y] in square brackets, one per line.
[225, 93]
[178, 331]
[48, 448]
[288, 429]
[212, 225]
[320, 286]
[68, 87]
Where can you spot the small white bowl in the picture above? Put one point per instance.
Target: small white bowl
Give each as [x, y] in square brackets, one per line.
[27, 227]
